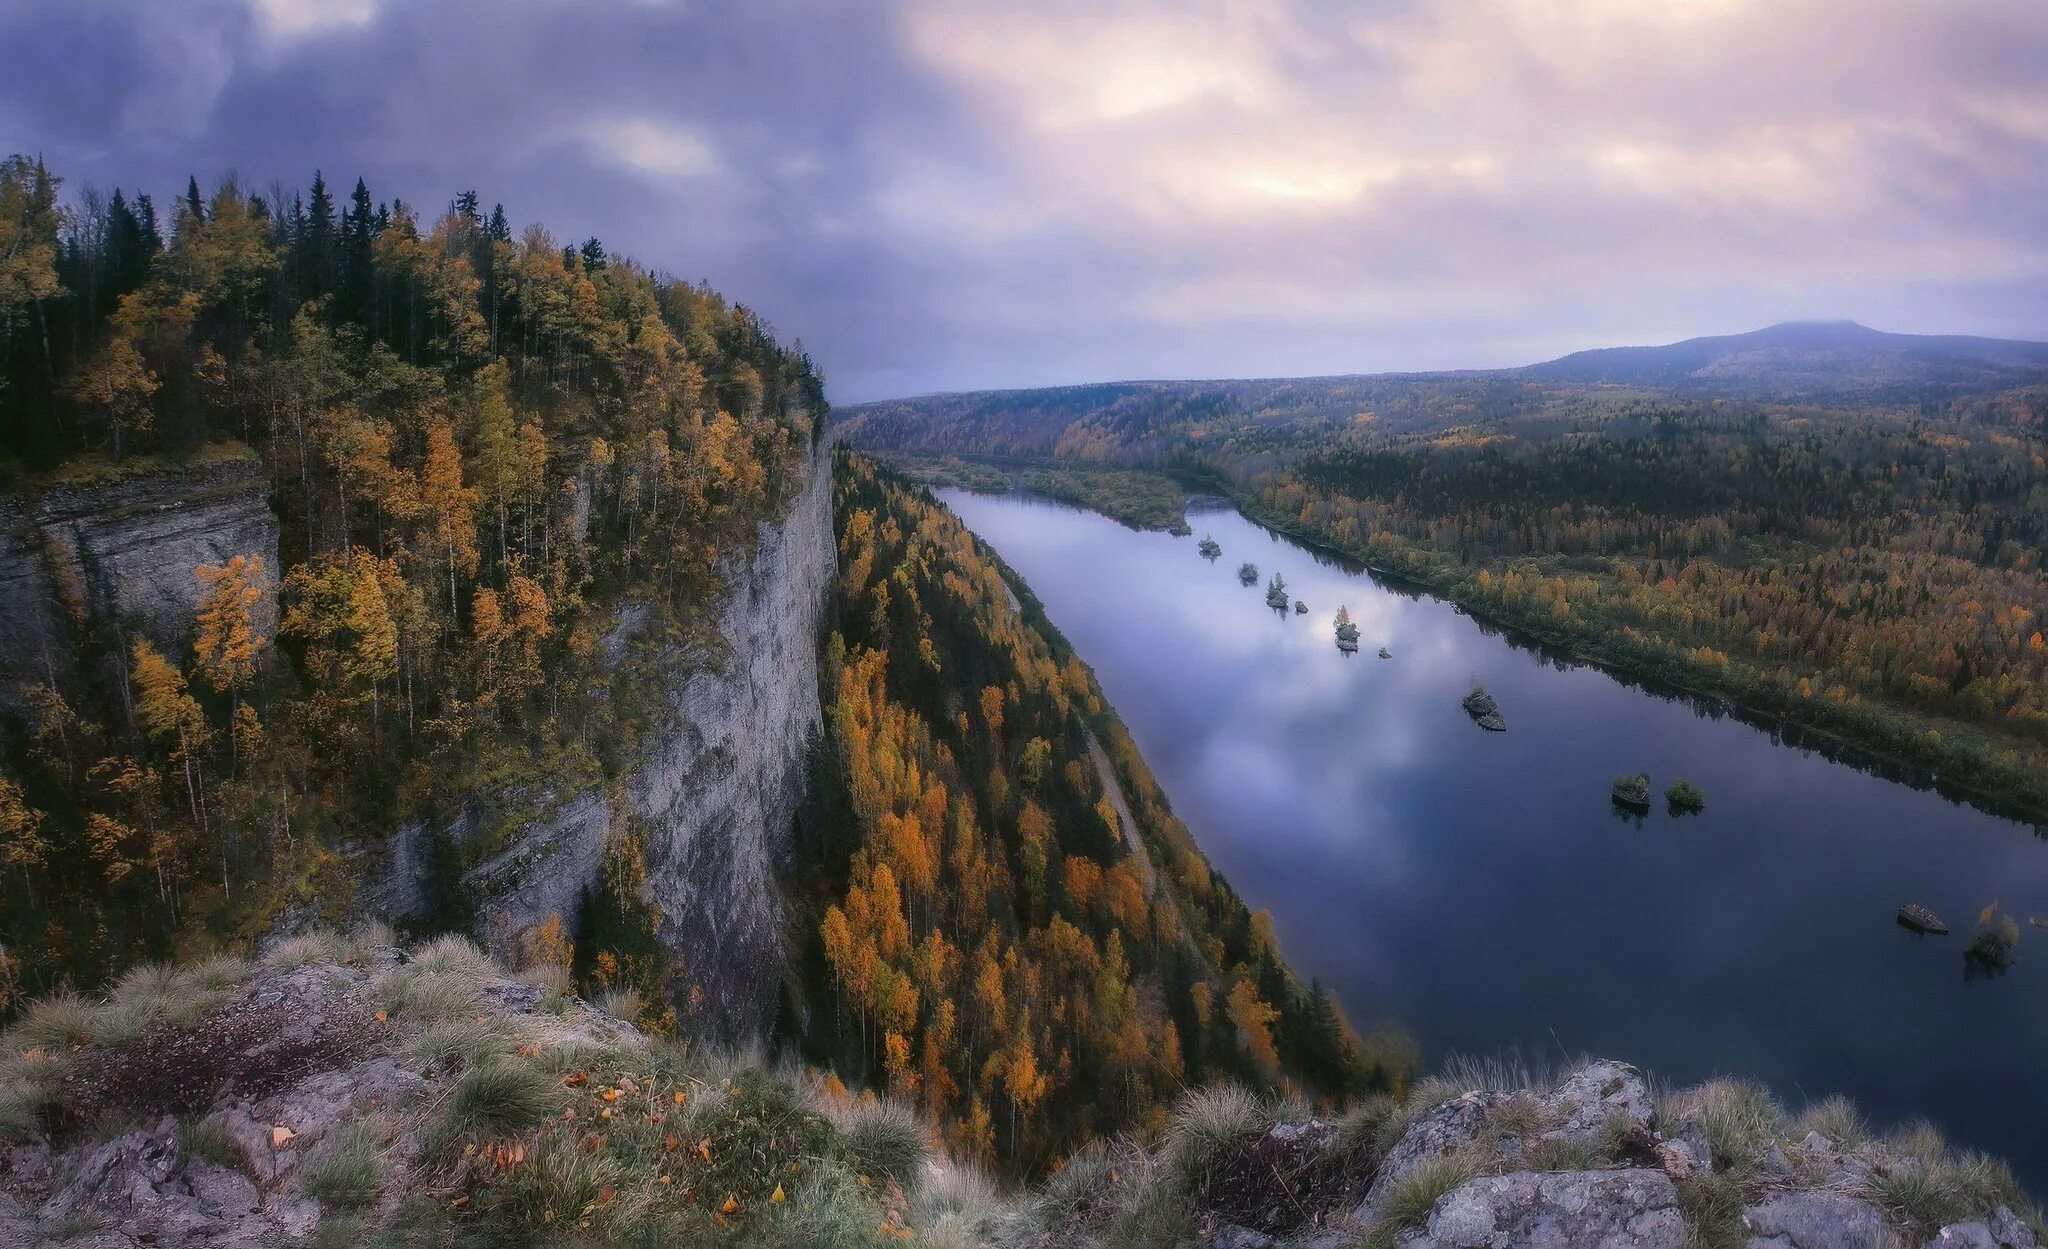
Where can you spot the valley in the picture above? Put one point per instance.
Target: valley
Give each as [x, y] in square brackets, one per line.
[1481, 890]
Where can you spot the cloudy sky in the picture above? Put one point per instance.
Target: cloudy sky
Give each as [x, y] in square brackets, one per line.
[978, 193]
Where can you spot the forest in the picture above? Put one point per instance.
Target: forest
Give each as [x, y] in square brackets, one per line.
[994, 944]
[475, 440]
[477, 446]
[1861, 561]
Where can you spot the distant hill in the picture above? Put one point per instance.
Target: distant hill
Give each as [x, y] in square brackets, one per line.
[1807, 356]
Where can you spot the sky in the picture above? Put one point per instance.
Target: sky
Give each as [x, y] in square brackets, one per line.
[992, 193]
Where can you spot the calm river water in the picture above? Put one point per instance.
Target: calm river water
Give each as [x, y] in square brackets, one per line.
[1481, 890]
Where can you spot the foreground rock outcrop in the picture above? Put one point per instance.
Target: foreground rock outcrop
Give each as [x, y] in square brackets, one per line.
[1492, 1158]
[346, 1092]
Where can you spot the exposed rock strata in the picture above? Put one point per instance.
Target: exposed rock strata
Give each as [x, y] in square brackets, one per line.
[119, 555]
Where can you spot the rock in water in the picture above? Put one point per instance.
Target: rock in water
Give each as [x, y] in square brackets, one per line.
[1484, 711]
[1921, 919]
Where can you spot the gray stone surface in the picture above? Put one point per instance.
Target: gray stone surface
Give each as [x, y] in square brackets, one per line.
[1687, 1153]
[140, 1188]
[1593, 1096]
[1442, 1129]
[1635, 1209]
[728, 767]
[2002, 1231]
[1817, 1220]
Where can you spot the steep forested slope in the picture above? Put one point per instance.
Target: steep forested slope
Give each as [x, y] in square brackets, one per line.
[995, 941]
[465, 449]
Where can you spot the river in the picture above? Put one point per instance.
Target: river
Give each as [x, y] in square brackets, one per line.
[1482, 891]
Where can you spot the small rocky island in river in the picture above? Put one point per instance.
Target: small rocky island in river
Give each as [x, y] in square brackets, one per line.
[1300, 608]
[1633, 791]
[1247, 574]
[1385, 653]
[1921, 919]
[1210, 547]
[1685, 798]
[1347, 633]
[1484, 711]
[1276, 593]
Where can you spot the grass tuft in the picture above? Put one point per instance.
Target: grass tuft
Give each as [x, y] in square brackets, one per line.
[1207, 1124]
[1927, 1188]
[456, 957]
[501, 1098]
[1712, 1205]
[1409, 1201]
[303, 950]
[883, 1139]
[1358, 1129]
[61, 1021]
[347, 1169]
[464, 1042]
[23, 1108]
[431, 998]
[1740, 1119]
[209, 1140]
[1835, 1118]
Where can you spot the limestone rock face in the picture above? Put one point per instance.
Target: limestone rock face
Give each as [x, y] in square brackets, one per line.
[1634, 1209]
[728, 721]
[1817, 1220]
[121, 552]
[727, 766]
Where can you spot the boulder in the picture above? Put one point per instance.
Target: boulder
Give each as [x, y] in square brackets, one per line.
[1633, 1209]
[1594, 1096]
[1687, 1154]
[2003, 1230]
[139, 1187]
[1442, 1129]
[1817, 1220]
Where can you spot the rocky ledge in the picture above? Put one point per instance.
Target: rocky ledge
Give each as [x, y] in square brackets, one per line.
[1486, 1158]
[346, 1092]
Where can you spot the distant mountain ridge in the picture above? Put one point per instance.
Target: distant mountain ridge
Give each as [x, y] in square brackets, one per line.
[1828, 356]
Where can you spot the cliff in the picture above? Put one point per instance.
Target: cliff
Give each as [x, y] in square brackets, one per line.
[725, 717]
[108, 552]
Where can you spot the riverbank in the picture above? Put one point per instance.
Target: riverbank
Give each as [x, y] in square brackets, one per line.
[1952, 757]
[1948, 756]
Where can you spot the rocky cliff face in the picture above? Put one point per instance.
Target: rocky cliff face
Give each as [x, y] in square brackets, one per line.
[727, 765]
[727, 723]
[119, 554]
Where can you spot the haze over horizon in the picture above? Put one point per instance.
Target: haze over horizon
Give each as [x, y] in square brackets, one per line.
[945, 197]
